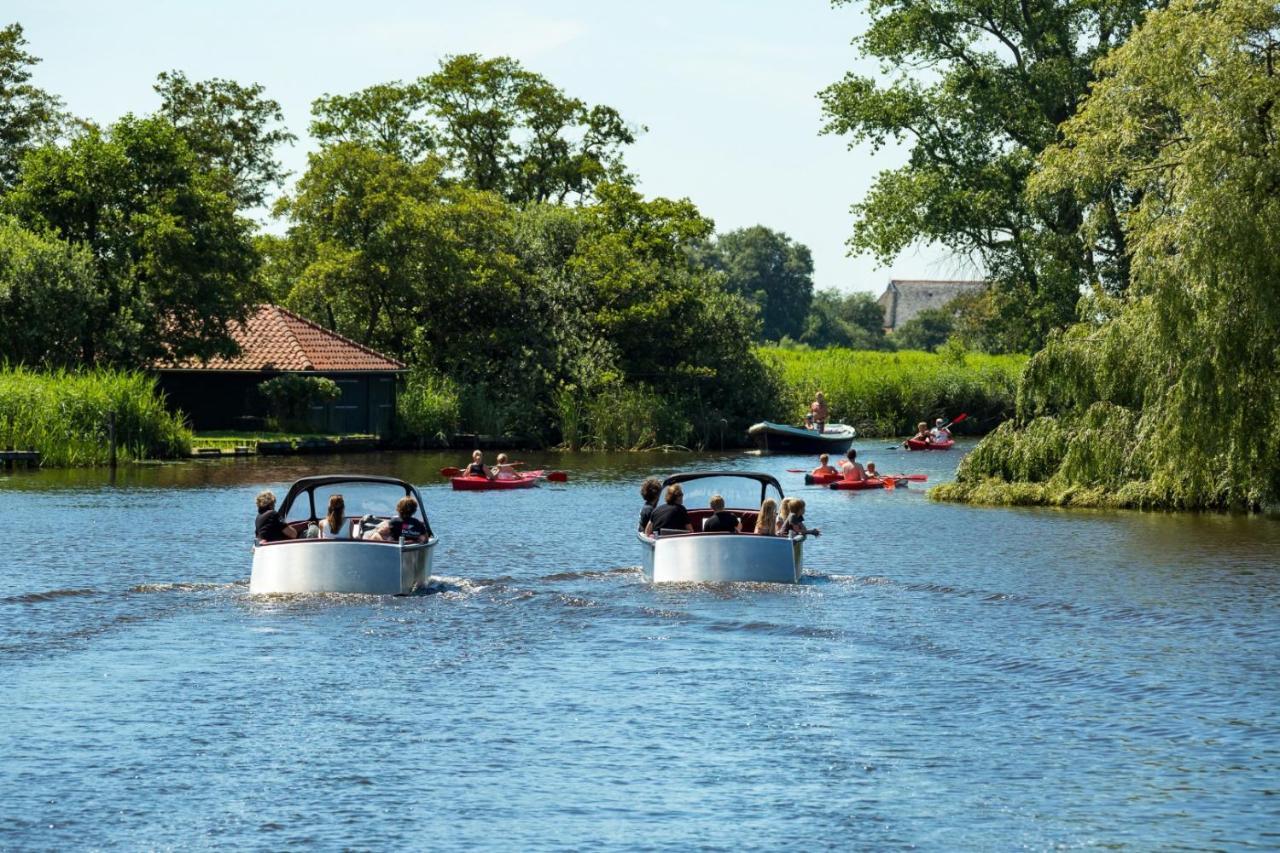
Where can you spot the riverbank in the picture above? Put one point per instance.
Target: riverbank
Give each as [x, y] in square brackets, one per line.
[887, 393]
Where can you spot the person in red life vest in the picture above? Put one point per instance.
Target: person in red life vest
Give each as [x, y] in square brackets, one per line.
[818, 408]
[824, 469]
[922, 434]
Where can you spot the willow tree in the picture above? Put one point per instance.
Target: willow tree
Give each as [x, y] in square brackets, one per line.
[1169, 394]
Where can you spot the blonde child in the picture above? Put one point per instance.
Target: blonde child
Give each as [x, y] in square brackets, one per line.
[505, 470]
[794, 522]
[767, 520]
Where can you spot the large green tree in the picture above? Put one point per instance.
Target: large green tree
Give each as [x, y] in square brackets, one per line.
[977, 90]
[498, 126]
[1165, 395]
[853, 320]
[232, 128]
[173, 261]
[29, 116]
[769, 269]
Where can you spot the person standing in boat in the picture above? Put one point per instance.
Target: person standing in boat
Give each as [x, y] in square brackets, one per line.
[650, 489]
[671, 515]
[818, 408]
[404, 524]
[270, 527]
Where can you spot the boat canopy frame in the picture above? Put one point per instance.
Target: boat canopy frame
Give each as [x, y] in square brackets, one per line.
[765, 480]
[308, 486]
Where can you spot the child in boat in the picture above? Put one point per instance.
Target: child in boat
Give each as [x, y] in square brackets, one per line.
[871, 471]
[794, 522]
[852, 468]
[783, 511]
[505, 470]
[824, 468]
[477, 468]
[922, 433]
[767, 520]
[331, 524]
[720, 520]
[940, 433]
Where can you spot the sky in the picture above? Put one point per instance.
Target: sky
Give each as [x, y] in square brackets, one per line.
[726, 90]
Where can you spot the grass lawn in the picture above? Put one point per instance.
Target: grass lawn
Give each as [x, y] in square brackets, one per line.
[229, 439]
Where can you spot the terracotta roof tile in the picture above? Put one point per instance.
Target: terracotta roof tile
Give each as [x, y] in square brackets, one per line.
[275, 338]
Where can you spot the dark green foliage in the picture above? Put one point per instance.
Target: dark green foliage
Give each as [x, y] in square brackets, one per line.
[852, 321]
[47, 297]
[769, 270]
[29, 116]
[998, 80]
[927, 330]
[290, 397]
[232, 128]
[173, 262]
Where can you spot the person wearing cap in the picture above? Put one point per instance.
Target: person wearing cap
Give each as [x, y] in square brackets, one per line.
[940, 432]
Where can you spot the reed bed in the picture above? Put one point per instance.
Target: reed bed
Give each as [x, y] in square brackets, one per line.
[64, 415]
[888, 393]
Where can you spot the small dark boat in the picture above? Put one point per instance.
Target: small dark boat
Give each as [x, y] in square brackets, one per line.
[782, 438]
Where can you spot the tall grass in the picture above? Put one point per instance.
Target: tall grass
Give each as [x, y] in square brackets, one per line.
[888, 393]
[64, 416]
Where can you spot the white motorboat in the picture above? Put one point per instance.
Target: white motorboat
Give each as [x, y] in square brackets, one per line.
[349, 563]
[745, 557]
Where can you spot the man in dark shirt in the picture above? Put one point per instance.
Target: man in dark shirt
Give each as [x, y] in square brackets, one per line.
[270, 527]
[670, 516]
[720, 520]
[649, 490]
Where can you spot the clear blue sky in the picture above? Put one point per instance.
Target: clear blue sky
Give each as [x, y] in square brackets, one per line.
[726, 89]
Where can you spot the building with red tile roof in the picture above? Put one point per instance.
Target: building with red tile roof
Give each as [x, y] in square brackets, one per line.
[222, 393]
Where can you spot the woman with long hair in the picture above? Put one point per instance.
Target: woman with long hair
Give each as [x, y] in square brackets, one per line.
[767, 520]
[331, 524]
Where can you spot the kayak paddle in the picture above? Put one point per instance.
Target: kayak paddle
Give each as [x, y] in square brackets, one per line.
[557, 477]
[450, 471]
[959, 418]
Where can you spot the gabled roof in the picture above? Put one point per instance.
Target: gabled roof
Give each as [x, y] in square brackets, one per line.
[275, 338]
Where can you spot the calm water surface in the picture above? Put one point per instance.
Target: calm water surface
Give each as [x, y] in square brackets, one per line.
[945, 678]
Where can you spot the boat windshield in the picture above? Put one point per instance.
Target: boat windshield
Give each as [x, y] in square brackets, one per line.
[360, 499]
[738, 492]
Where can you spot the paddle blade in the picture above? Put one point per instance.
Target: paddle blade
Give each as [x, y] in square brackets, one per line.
[450, 472]
[890, 482]
[797, 471]
[557, 477]
[959, 418]
[915, 478]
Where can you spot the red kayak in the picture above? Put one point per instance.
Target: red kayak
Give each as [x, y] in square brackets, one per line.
[855, 485]
[916, 444]
[821, 479]
[525, 480]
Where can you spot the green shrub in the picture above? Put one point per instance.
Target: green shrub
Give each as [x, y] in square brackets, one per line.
[64, 415]
[290, 398]
[428, 408]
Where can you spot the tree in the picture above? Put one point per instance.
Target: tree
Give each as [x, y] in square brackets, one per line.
[1163, 395]
[173, 262]
[230, 127]
[855, 320]
[1000, 80]
[29, 116]
[768, 269]
[498, 127]
[927, 330]
[47, 297]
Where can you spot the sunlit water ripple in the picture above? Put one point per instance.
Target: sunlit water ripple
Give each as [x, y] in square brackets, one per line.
[945, 678]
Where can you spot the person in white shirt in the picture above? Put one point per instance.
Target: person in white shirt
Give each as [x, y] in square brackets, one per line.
[331, 524]
[940, 432]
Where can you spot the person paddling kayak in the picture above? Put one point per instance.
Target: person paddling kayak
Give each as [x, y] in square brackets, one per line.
[504, 470]
[477, 468]
[922, 434]
[940, 432]
[825, 468]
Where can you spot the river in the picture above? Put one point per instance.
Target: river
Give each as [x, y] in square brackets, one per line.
[946, 677]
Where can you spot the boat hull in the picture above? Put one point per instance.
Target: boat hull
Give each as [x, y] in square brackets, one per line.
[783, 438]
[482, 484]
[305, 566]
[915, 444]
[721, 558]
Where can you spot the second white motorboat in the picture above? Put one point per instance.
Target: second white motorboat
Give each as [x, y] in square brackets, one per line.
[682, 557]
